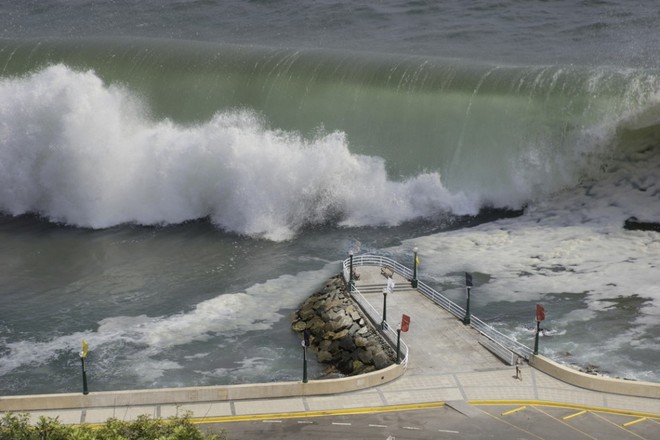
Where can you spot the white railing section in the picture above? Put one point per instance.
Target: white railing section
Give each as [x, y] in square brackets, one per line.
[377, 260]
[376, 320]
[441, 300]
[502, 340]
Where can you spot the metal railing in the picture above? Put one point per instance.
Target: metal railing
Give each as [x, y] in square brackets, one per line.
[505, 342]
[387, 331]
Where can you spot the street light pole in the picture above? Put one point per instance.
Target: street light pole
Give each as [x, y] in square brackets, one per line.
[466, 319]
[304, 364]
[413, 282]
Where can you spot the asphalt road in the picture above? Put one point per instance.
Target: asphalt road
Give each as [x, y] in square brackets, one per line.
[443, 422]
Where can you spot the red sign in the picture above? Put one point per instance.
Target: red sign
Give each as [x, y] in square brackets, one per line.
[540, 312]
[405, 323]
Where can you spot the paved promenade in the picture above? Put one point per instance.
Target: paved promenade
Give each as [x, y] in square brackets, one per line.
[447, 364]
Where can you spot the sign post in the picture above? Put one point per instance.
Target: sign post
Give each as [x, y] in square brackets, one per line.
[83, 355]
[405, 325]
[540, 316]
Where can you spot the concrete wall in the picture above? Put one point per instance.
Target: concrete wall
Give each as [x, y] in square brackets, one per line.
[199, 394]
[595, 383]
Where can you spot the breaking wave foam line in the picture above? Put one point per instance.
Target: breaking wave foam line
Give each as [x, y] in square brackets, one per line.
[125, 339]
[79, 152]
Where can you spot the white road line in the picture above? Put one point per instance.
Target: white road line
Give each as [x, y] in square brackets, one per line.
[271, 421]
[412, 428]
[448, 431]
[305, 422]
[341, 424]
[378, 426]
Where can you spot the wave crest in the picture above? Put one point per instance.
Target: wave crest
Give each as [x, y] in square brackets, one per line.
[79, 152]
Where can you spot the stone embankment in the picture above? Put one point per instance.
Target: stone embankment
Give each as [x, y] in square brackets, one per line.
[339, 332]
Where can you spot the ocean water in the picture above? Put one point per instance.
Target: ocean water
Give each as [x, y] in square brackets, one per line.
[177, 176]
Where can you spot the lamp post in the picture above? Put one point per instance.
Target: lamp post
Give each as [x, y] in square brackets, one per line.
[413, 282]
[350, 271]
[305, 344]
[384, 323]
[468, 287]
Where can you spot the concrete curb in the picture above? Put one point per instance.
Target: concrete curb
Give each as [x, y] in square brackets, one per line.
[200, 394]
[595, 383]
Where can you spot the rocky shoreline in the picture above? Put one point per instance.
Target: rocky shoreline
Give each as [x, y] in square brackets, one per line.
[340, 335]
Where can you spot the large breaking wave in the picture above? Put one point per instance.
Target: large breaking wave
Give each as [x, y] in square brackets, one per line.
[265, 142]
[79, 152]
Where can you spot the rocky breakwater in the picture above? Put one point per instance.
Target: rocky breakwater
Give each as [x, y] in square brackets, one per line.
[340, 334]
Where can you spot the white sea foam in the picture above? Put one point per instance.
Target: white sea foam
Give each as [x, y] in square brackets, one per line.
[573, 243]
[77, 151]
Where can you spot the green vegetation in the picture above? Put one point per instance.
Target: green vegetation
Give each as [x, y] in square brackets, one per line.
[18, 427]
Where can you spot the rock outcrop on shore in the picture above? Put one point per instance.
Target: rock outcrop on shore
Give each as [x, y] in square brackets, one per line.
[340, 334]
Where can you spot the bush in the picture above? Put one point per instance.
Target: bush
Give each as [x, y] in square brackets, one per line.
[18, 427]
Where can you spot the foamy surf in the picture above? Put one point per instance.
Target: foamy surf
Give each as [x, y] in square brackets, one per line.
[597, 280]
[85, 154]
[140, 346]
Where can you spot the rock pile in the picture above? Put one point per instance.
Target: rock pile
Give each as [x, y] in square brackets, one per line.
[340, 334]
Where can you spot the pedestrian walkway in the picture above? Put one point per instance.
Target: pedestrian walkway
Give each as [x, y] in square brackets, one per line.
[446, 364]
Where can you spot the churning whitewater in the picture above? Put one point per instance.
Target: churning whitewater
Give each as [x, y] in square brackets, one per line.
[89, 155]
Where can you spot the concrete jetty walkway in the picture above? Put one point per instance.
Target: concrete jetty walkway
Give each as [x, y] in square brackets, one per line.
[446, 364]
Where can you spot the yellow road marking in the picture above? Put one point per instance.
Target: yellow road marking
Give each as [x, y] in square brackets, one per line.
[605, 419]
[565, 405]
[634, 421]
[305, 414]
[565, 424]
[510, 424]
[579, 413]
[506, 413]
[655, 418]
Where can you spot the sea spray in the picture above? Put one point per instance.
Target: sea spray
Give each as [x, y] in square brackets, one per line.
[86, 154]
